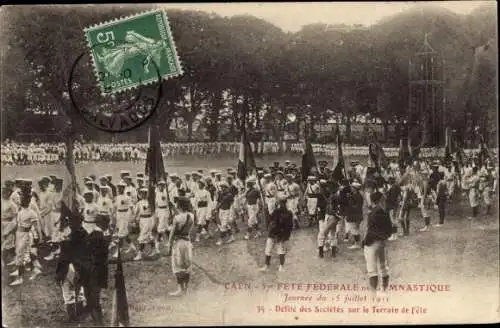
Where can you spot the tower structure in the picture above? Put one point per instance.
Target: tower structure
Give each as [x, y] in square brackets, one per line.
[427, 95]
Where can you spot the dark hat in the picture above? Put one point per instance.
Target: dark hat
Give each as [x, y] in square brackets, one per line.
[92, 176]
[276, 163]
[140, 175]
[44, 180]
[9, 183]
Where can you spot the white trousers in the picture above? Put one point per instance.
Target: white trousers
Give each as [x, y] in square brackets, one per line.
[376, 259]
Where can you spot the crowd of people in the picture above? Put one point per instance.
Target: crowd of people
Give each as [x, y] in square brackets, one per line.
[211, 205]
[50, 153]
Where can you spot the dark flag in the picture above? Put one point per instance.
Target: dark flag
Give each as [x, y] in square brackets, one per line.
[410, 149]
[383, 161]
[404, 155]
[447, 147]
[246, 163]
[70, 213]
[155, 170]
[339, 170]
[120, 315]
[372, 156]
[484, 153]
[413, 135]
[308, 160]
[377, 156]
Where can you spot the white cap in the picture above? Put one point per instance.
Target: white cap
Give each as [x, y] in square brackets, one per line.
[356, 184]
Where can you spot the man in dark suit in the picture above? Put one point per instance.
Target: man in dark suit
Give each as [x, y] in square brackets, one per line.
[379, 229]
[69, 268]
[94, 267]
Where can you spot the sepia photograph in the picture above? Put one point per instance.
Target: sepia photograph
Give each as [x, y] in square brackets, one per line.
[229, 164]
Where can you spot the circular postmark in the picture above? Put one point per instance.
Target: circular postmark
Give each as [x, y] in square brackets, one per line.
[102, 97]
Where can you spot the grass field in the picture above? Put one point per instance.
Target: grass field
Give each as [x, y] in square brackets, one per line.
[462, 254]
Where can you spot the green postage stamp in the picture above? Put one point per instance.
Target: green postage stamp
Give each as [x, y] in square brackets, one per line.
[132, 51]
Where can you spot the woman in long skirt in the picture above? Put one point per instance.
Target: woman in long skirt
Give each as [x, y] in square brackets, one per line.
[180, 244]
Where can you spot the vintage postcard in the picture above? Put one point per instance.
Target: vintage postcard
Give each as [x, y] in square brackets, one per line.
[222, 164]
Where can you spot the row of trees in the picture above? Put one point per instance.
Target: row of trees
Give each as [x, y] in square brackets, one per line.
[242, 62]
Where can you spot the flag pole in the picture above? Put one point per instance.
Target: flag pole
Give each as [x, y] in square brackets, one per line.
[339, 145]
[252, 160]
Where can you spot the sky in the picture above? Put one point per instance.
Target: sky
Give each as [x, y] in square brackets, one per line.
[292, 16]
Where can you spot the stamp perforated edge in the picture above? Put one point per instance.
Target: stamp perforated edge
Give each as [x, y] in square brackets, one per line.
[125, 18]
